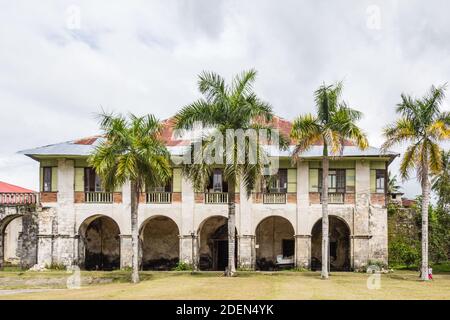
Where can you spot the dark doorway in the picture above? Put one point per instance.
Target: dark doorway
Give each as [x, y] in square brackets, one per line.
[339, 245]
[160, 244]
[222, 254]
[100, 244]
[213, 244]
[275, 244]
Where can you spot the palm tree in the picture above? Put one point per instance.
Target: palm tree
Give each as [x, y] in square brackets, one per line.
[223, 108]
[392, 186]
[333, 123]
[132, 150]
[421, 125]
[441, 181]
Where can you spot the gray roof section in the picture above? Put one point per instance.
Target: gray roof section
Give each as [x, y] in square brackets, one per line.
[69, 148]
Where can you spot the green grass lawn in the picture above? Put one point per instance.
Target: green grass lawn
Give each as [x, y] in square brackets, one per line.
[212, 285]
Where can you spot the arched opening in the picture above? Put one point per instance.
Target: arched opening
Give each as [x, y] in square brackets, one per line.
[11, 241]
[99, 244]
[339, 247]
[213, 244]
[160, 244]
[275, 244]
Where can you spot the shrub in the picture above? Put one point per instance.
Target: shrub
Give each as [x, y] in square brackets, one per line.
[182, 266]
[400, 252]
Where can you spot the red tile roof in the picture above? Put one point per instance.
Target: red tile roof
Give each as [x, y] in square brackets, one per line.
[10, 188]
[87, 140]
[283, 125]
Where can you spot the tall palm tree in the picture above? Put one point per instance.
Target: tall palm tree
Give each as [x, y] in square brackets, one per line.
[332, 125]
[441, 180]
[422, 126]
[223, 108]
[132, 150]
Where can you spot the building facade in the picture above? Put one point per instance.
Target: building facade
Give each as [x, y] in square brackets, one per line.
[279, 224]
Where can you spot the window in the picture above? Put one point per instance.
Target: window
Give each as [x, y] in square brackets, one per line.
[92, 182]
[47, 186]
[288, 247]
[380, 180]
[277, 183]
[166, 188]
[336, 180]
[216, 183]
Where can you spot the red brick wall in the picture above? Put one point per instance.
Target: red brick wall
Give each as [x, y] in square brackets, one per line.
[176, 197]
[314, 198]
[49, 196]
[291, 198]
[349, 198]
[378, 199]
[199, 197]
[117, 197]
[79, 197]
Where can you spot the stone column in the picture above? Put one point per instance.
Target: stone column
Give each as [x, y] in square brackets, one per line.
[303, 251]
[360, 229]
[188, 234]
[246, 239]
[28, 252]
[46, 218]
[65, 216]
[302, 229]
[246, 252]
[126, 252]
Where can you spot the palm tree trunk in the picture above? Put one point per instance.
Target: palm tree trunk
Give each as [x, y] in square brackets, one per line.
[425, 204]
[231, 270]
[134, 233]
[325, 238]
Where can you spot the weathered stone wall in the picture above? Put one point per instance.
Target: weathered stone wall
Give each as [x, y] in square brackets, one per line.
[160, 244]
[59, 222]
[27, 246]
[270, 234]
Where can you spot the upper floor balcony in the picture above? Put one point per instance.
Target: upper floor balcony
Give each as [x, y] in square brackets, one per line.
[278, 189]
[18, 199]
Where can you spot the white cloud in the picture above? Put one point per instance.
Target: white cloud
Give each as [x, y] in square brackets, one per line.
[143, 57]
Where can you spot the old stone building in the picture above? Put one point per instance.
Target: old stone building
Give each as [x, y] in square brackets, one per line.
[278, 225]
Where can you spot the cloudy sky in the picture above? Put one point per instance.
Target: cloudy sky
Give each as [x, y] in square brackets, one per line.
[62, 61]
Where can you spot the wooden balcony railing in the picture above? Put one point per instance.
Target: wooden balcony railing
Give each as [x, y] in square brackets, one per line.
[158, 197]
[334, 198]
[98, 197]
[274, 198]
[7, 198]
[216, 197]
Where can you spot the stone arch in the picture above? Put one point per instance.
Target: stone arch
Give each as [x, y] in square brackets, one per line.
[339, 247]
[159, 243]
[274, 241]
[99, 243]
[11, 239]
[213, 243]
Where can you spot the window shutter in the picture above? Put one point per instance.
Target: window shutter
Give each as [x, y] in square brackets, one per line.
[292, 180]
[54, 179]
[41, 179]
[373, 181]
[314, 180]
[79, 179]
[177, 180]
[350, 180]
